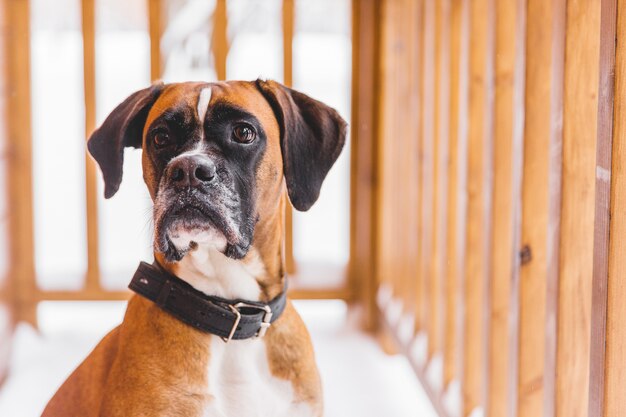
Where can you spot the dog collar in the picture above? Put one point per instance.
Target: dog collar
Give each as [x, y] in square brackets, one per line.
[229, 319]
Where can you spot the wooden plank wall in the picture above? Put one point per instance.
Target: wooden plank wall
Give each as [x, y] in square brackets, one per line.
[7, 314]
[500, 201]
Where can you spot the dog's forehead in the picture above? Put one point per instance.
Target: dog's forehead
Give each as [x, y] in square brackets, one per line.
[195, 98]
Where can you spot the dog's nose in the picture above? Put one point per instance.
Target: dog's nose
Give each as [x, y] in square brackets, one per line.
[191, 171]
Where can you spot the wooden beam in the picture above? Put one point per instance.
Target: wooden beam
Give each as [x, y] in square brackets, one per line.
[540, 209]
[363, 156]
[21, 261]
[442, 123]
[92, 280]
[615, 361]
[219, 39]
[508, 157]
[155, 30]
[602, 213]
[288, 17]
[427, 164]
[582, 55]
[479, 188]
[455, 239]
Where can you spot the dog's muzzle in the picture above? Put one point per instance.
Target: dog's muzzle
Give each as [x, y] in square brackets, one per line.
[195, 205]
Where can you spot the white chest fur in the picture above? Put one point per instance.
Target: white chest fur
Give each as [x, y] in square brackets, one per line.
[241, 384]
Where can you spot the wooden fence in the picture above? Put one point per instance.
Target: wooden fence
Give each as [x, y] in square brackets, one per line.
[19, 292]
[490, 178]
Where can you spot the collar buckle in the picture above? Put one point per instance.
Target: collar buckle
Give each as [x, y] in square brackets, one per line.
[265, 322]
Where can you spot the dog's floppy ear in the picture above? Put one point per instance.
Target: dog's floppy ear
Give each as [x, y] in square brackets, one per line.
[312, 135]
[122, 128]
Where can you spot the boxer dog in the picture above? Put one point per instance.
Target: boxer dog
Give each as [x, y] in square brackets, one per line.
[211, 332]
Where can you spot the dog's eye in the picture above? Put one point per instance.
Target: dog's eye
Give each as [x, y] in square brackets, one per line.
[161, 139]
[244, 133]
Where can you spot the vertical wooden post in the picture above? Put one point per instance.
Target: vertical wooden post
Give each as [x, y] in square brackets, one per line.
[540, 206]
[155, 30]
[602, 214]
[582, 52]
[92, 282]
[288, 19]
[615, 363]
[455, 212]
[22, 263]
[441, 155]
[8, 296]
[220, 38]
[427, 137]
[365, 58]
[479, 183]
[508, 156]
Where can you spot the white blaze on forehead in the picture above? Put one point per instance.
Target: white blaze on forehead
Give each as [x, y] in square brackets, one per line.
[203, 102]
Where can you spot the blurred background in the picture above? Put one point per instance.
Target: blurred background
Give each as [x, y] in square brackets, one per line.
[466, 257]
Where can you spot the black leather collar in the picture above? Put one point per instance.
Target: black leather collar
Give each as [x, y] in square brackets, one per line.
[229, 319]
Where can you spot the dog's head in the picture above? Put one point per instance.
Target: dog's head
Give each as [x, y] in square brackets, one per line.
[215, 155]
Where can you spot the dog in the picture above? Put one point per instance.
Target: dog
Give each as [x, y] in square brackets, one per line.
[210, 331]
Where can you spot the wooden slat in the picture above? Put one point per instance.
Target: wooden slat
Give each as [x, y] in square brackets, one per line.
[410, 157]
[7, 282]
[219, 40]
[155, 30]
[427, 176]
[577, 207]
[540, 203]
[455, 212]
[441, 155]
[479, 185]
[606, 95]
[381, 190]
[92, 281]
[404, 48]
[363, 232]
[615, 365]
[288, 17]
[508, 149]
[416, 176]
[22, 263]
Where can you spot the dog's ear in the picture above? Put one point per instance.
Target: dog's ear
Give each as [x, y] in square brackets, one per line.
[312, 135]
[121, 129]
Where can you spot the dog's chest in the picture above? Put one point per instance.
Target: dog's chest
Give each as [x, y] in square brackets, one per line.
[241, 385]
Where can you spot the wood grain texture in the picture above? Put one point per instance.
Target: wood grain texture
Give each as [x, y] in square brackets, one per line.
[508, 157]
[606, 95]
[219, 38]
[155, 30]
[454, 232]
[577, 206]
[363, 234]
[615, 366]
[7, 287]
[540, 208]
[440, 180]
[20, 218]
[288, 21]
[92, 280]
[479, 188]
[427, 133]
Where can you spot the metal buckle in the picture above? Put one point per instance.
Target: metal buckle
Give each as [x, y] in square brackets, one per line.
[265, 323]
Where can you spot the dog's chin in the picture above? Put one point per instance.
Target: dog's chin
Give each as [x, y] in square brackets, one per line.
[183, 233]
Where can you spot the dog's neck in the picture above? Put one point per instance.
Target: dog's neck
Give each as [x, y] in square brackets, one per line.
[259, 276]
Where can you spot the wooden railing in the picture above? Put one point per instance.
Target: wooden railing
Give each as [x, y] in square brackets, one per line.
[21, 291]
[490, 175]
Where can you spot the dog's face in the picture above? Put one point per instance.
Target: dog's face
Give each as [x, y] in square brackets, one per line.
[215, 155]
